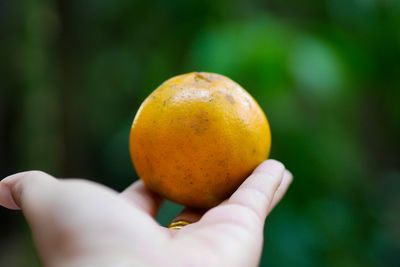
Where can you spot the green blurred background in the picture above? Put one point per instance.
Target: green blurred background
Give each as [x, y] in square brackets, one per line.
[326, 72]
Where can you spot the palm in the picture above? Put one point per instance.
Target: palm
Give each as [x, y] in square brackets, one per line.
[79, 223]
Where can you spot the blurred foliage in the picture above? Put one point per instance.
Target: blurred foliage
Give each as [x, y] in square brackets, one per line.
[327, 74]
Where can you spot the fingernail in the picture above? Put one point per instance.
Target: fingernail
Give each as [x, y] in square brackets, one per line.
[6, 199]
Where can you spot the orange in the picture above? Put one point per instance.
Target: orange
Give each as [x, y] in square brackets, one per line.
[197, 137]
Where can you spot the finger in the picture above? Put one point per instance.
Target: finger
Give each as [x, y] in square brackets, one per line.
[141, 197]
[14, 193]
[251, 202]
[280, 192]
[258, 191]
[188, 215]
[6, 199]
[67, 215]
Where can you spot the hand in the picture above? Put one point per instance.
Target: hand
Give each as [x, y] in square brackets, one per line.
[81, 223]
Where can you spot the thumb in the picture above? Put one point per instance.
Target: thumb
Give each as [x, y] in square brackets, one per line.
[31, 192]
[26, 191]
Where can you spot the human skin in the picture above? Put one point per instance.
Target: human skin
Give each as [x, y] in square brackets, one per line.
[81, 223]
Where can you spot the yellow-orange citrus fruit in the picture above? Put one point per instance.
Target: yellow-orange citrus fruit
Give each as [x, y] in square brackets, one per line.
[197, 137]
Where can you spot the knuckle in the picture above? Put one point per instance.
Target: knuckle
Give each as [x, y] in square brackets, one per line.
[35, 174]
[262, 180]
[28, 186]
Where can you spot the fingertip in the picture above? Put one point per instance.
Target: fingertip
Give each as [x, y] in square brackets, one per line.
[6, 199]
[288, 175]
[13, 186]
[270, 166]
[283, 187]
[6, 196]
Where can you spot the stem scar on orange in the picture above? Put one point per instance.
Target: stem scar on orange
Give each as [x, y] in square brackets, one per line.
[197, 137]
